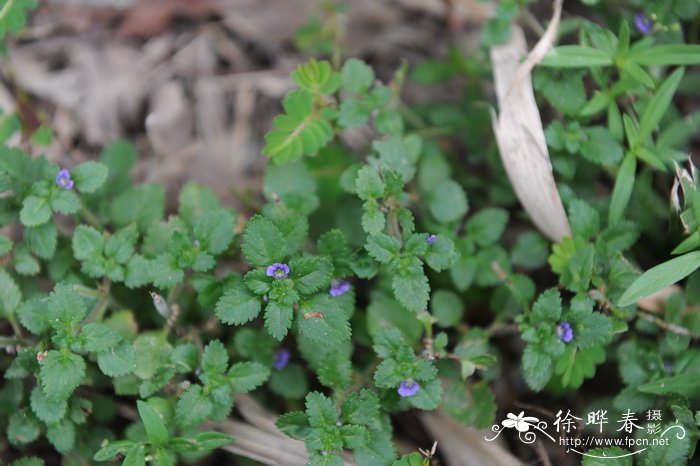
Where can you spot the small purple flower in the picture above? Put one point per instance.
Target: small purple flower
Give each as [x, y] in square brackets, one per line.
[277, 270]
[644, 24]
[408, 388]
[431, 239]
[63, 179]
[282, 358]
[565, 332]
[339, 287]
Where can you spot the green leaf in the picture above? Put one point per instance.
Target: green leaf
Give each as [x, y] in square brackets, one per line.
[302, 130]
[185, 357]
[320, 410]
[88, 243]
[295, 424]
[448, 202]
[153, 422]
[263, 243]
[33, 315]
[585, 221]
[547, 308]
[214, 230]
[247, 376]
[96, 337]
[10, 294]
[383, 248]
[487, 225]
[136, 456]
[61, 373]
[120, 245]
[316, 77]
[278, 319]
[310, 274]
[89, 176]
[62, 436]
[113, 448]
[428, 396]
[658, 106]
[686, 385]
[369, 184]
[22, 427]
[411, 289]
[624, 182]
[323, 320]
[35, 211]
[660, 276]
[335, 370]
[64, 201]
[5, 245]
[48, 411]
[357, 76]
[600, 146]
[65, 306]
[117, 361]
[441, 254]
[42, 239]
[142, 205]
[238, 305]
[666, 54]
[193, 407]
[537, 368]
[576, 56]
[373, 221]
[214, 358]
[446, 307]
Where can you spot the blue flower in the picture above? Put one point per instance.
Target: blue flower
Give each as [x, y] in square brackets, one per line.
[565, 332]
[63, 179]
[339, 287]
[277, 270]
[431, 239]
[644, 24]
[408, 388]
[282, 359]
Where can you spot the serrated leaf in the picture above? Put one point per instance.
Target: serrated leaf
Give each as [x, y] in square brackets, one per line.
[487, 225]
[584, 219]
[537, 368]
[295, 424]
[48, 411]
[10, 294]
[357, 76]
[117, 361]
[61, 373]
[88, 243]
[263, 243]
[42, 239]
[323, 320]
[35, 211]
[96, 337]
[412, 290]
[22, 427]
[62, 436]
[383, 248]
[441, 254]
[320, 410]
[193, 407]
[214, 230]
[64, 201]
[89, 176]
[310, 274]
[246, 376]
[448, 202]
[238, 306]
[547, 308]
[369, 184]
[335, 370]
[120, 245]
[278, 319]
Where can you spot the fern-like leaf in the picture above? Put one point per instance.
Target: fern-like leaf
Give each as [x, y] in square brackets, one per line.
[302, 130]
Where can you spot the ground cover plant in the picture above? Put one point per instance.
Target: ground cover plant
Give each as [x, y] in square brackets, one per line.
[367, 284]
